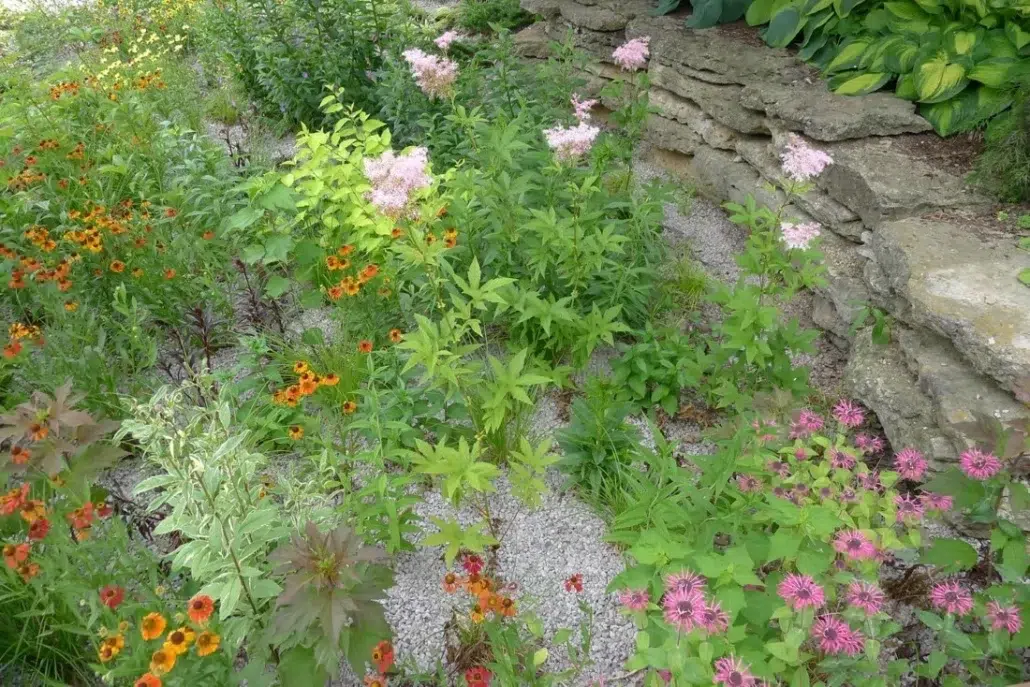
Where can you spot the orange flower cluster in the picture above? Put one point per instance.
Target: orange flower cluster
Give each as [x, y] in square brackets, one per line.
[40, 236]
[25, 178]
[177, 642]
[16, 556]
[383, 659]
[62, 88]
[81, 520]
[18, 331]
[488, 598]
[308, 382]
[349, 285]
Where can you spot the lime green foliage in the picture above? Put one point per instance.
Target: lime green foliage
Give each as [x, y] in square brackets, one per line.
[485, 16]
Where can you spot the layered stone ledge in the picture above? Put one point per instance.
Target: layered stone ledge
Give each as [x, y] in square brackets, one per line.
[906, 235]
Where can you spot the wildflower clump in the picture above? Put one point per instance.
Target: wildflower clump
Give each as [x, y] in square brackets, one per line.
[396, 179]
[434, 75]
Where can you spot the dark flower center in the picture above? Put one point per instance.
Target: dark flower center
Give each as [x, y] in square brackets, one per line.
[951, 597]
[854, 544]
[830, 634]
[736, 679]
[804, 593]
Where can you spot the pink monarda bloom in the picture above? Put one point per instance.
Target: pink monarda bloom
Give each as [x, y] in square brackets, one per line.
[801, 591]
[581, 108]
[950, 597]
[802, 162]
[801, 453]
[395, 178]
[780, 467]
[445, 40]
[910, 464]
[434, 75]
[870, 481]
[714, 619]
[685, 581]
[733, 672]
[842, 460]
[799, 236]
[748, 483]
[571, 143]
[855, 545]
[909, 507]
[932, 501]
[833, 635]
[1004, 617]
[869, 444]
[634, 599]
[684, 609]
[632, 55]
[979, 465]
[812, 422]
[866, 597]
[848, 413]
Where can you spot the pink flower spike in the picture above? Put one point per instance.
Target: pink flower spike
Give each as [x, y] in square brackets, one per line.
[910, 464]
[866, 597]
[802, 162]
[799, 236]
[848, 414]
[714, 619]
[684, 609]
[733, 672]
[855, 545]
[634, 599]
[932, 501]
[445, 40]
[632, 55]
[571, 143]
[685, 581]
[979, 465]
[1004, 617]
[801, 591]
[951, 598]
[581, 108]
[434, 75]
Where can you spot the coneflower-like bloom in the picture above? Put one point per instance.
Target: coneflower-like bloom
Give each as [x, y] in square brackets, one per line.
[848, 413]
[635, 599]
[445, 39]
[801, 453]
[1004, 617]
[869, 444]
[802, 162]
[748, 483]
[854, 544]
[826, 493]
[806, 423]
[853, 642]
[733, 672]
[909, 507]
[685, 581]
[932, 501]
[395, 178]
[842, 460]
[801, 591]
[581, 108]
[866, 597]
[870, 481]
[780, 467]
[714, 619]
[831, 634]
[978, 464]
[571, 143]
[848, 495]
[684, 609]
[632, 55]
[434, 75]
[910, 464]
[799, 236]
[951, 597]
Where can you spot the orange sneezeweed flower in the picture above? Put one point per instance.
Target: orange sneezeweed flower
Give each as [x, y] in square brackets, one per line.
[330, 379]
[148, 680]
[162, 661]
[308, 386]
[477, 616]
[507, 607]
[137, 272]
[300, 367]
[170, 212]
[296, 432]
[207, 643]
[19, 455]
[349, 407]
[451, 582]
[117, 266]
[71, 306]
[16, 554]
[365, 346]
[153, 626]
[38, 432]
[396, 335]
[12, 350]
[208, 235]
[178, 641]
[332, 262]
[396, 233]
[345, 250]
[200, 608]
[32, 510]
[335, 293]
[169, 273]
[28, 570]
[375, 681]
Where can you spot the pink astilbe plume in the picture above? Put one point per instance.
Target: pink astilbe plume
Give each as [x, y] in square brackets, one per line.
[909, 507]
[855, 545]
[802, 162]
[866, 597]
[1004, 617]
[571, 143]
[632, 55]
[445, 40]
[801, 591]
[910, 464]
[799, 236]
[434, 75]
[939, 502]
[395, 178]
[733, 672]
[978, 464]
[581, 108]
[713, 619]
[951, 597]
[685, 581]
[634, 599]
[848, 413]
[684, 609]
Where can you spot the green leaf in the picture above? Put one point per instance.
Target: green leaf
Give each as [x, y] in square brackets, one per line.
[967, 110]
[851, 83]
[298, 668]
[784, 27]
[966, 492]
[938, 79]
[950, 554]
[539, 656]
[995, 72]
[276, 286]
[1024, 276]
[849, 56]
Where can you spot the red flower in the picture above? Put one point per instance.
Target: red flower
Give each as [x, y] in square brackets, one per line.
[16, 554]
[112, 596]
[472, 563]
[382, 656]
[104, 509]
[365, 346]
[574, 582]
[200, 608]
[478, 677]
[39, 528]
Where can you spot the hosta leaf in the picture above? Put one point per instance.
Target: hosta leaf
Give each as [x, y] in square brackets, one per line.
[962, 42]
[784, 27]
[967, 110]
[760, 12]
[994, 72]
[1017, 35]
[849, 56]
[706, 14]
[858, 83]
[900, 57]
[843, 7]
[938, 79]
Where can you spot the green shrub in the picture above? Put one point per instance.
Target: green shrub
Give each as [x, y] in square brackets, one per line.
[1004, 167]
[484, 16]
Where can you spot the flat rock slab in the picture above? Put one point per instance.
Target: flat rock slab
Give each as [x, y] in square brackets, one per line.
[719, 101]
[947, 279]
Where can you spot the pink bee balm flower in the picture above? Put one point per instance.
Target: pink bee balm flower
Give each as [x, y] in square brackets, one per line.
[841, 460]
[1004, 617]
[798, 236]
[714, 619]
[870, 481]
[780, 467]
[632, 55]
[848, 413]
[395, 178]
[581, 108]
[855, 545]
[910, 464]
[869, 444]
[979, 465]
[445, 40]
[434, 75]
[802, 162]
[813, 422]
[932, 501]
[909, 507]
[832, 634]
[801, 591]
[866, 597]
[951, 598]
[801, 453]
[853, 642]
[733, 672]
[685, 581]
[748, 483]
[683, 609]
[635, 599]
[571, 143]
